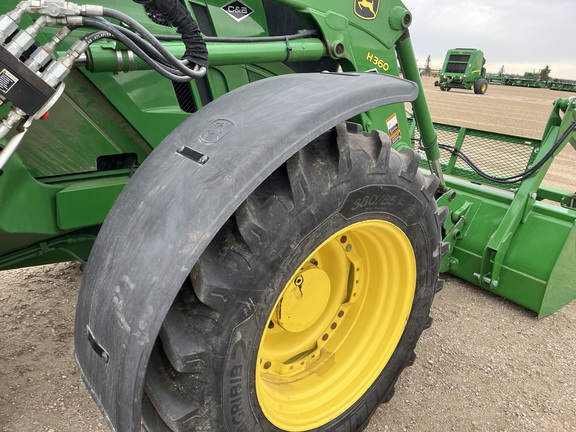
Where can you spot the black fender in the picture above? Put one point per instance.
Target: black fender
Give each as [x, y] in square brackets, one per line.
[176, 203]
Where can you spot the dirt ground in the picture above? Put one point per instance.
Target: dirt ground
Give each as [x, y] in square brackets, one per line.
[485, 365]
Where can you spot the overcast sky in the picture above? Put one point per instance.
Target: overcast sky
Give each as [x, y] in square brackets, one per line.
[522, 35]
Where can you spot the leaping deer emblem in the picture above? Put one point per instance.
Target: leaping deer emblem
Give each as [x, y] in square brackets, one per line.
[367, 9]
[369, 4]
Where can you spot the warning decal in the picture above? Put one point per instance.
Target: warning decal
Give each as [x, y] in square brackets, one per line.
[7, 81]
[393, 129]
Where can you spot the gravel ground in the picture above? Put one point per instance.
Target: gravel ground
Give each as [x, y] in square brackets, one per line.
[485, 365]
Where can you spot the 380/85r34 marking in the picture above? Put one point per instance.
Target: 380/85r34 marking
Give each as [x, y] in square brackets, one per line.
[303, 311]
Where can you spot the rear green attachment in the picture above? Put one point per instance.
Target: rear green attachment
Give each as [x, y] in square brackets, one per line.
[518, 239]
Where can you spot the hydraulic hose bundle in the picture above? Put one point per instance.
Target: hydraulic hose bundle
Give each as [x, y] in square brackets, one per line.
[33, 84]
[176, 14]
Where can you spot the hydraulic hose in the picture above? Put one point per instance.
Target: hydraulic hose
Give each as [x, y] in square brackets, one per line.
[302, 35]
[149, 37]
[148, 49]
[103, 24]
[177, 15]
[518, 177]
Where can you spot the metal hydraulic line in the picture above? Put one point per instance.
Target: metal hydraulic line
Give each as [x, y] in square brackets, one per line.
[421, 112]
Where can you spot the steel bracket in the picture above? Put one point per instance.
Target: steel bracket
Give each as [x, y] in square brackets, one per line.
[524, 199]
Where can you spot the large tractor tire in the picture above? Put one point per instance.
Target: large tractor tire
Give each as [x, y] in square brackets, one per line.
[307, 305]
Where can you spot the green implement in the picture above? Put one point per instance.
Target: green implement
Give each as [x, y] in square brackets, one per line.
[463, 68]
[527, 229]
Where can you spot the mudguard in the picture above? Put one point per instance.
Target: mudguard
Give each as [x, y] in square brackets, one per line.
[176, 203]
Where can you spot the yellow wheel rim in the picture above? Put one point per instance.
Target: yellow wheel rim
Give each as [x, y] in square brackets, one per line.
[335, 326]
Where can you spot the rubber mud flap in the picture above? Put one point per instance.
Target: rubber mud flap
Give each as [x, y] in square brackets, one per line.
[178, 200]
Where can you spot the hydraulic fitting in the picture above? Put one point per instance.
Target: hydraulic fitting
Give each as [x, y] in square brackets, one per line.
[24, 39]
[42, 55]
[13, 118]
[59, 69]
[39, 58]
[7, 27]
[9, 24]
[15, 141]
[59, 8]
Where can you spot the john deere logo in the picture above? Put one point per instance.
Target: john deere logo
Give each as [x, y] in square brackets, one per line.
[366, 9]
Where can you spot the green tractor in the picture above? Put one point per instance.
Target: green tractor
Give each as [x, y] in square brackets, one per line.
[262, 225]
[463, 68]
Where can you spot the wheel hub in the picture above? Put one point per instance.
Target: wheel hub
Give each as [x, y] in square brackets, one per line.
[302, 305]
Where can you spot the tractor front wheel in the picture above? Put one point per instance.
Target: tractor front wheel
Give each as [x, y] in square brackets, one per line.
[307, 305]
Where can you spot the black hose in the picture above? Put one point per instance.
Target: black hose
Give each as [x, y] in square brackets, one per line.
[96, 36]
[518, 177]
[105, 25]
[148, 49]
[304, 34]
[143, 32]
[175, 12]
